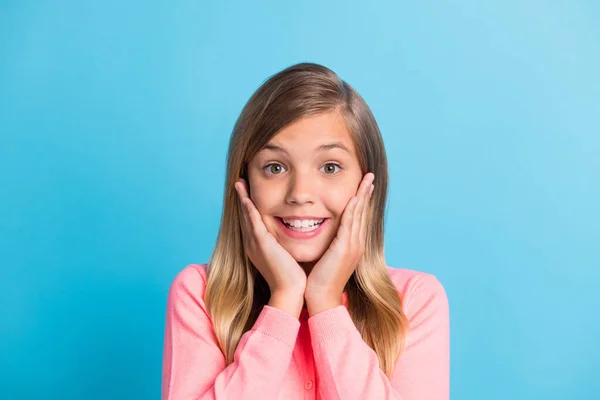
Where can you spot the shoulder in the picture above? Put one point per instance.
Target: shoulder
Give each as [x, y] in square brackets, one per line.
[418, 290]
[192, 274]
[189, 284]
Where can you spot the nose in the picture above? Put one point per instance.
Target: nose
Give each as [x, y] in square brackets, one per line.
[301, 189]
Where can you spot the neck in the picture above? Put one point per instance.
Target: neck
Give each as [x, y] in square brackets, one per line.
[307, 266]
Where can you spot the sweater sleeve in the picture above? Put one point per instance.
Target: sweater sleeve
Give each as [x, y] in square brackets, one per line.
[348, 368]
[193, 364]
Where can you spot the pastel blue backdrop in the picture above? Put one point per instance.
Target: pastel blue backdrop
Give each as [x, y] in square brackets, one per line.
[115, 118]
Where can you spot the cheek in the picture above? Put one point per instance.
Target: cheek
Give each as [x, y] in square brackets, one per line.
[257, 194]
[337, 199]
[265, 198]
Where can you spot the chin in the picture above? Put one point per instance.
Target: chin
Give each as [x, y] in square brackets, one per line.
[305, 255]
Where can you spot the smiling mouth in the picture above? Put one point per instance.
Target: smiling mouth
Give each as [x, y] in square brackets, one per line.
[308, 228]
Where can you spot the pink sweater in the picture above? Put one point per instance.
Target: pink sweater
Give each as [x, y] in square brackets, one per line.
[321, 357]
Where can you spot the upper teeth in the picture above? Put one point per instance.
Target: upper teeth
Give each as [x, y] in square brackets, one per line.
[305, 223]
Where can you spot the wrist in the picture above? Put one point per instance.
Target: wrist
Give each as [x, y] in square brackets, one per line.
[317, 302]
[321, 293]
[287, 301]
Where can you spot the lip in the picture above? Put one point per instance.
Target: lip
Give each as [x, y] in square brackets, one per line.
[301, 235]
[302, 217]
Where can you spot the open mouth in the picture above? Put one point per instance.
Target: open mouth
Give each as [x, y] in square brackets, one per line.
[302, 229]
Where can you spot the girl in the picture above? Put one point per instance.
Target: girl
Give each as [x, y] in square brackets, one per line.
[296, 301]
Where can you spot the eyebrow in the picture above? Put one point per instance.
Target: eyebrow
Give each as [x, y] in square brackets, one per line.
[323, 147]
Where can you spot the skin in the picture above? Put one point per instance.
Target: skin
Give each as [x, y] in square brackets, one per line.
[299, 179]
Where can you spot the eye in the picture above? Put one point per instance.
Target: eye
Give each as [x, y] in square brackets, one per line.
[330, 168]
[275, 168]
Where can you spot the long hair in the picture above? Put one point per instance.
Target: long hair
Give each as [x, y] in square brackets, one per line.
[236, 291]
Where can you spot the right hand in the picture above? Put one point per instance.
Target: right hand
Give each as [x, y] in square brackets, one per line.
[277, 266]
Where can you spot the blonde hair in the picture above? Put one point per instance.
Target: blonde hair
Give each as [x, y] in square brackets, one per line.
[236, 291]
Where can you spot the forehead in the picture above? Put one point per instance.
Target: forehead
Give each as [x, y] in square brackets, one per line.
[325, 131]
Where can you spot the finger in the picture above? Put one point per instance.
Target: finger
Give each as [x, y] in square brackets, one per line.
[247, 205]
[365, 216]
[241, 187]
[242, 195]
[254, 218]
[363, 192]
[346, 223]
[258, 226]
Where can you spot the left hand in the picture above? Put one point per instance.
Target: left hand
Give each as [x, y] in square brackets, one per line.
[330, 274]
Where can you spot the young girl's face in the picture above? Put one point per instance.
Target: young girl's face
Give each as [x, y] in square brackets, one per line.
[308, 171]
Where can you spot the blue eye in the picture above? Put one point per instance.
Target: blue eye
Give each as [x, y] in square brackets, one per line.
[274, 171]
[332, 170]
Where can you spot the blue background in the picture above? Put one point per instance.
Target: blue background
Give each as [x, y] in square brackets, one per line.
[115, 118]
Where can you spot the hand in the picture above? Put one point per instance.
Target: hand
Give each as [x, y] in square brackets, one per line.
[329, 276]
[277, 266]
